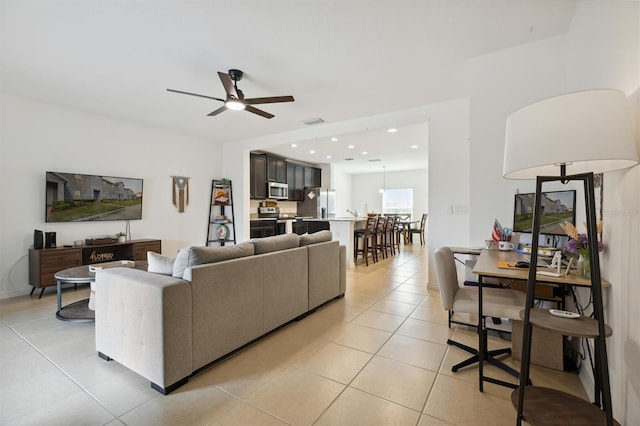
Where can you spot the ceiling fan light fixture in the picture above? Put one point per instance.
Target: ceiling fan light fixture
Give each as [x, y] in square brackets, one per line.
[235, 104]
[235, 99]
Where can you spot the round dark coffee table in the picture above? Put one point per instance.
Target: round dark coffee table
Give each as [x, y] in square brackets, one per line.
[79, 311]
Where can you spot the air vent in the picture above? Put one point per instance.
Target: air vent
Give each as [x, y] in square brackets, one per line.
[348, 159]
[312, 121]
[374, 160]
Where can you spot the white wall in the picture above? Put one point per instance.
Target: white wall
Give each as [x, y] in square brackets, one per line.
[501, 83]
[343, 184]
[37, 137]
[449, 166]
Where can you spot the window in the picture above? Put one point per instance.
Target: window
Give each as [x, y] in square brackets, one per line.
[397, 201]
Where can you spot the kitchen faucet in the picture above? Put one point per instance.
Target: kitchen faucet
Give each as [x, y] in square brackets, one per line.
[354, 213]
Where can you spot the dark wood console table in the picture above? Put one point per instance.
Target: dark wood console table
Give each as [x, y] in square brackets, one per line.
[44, 263]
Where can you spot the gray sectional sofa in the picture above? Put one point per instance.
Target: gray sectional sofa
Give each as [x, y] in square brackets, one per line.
[212, 301]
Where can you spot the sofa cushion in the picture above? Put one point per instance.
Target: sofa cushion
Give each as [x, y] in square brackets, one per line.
[159, 264]
[202, 255]
[181, 262]
[315, 238]
[276, 243]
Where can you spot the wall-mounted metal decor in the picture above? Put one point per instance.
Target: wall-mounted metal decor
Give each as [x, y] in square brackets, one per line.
[180, 191]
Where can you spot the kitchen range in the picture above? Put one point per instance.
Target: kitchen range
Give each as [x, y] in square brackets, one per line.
[271, 222]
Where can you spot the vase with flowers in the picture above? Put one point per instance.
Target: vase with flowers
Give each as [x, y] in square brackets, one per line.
[579, 243]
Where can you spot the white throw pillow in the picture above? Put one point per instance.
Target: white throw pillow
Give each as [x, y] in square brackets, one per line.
[181, 262]
[159, 264]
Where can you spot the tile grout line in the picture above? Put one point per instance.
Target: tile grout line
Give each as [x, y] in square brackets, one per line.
[60, 369]
[348, 385]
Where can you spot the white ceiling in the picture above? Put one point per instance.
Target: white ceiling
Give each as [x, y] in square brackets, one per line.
[365, 151]
[341, 60]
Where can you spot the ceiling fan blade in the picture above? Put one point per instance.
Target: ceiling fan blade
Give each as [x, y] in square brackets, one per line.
[194, 94]
[218, 111]
[228, 84]
[269, 100]
[265, 114]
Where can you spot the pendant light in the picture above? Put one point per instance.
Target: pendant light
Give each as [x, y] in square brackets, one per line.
[384, 180]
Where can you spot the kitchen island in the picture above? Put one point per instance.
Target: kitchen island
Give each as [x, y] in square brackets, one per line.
[342, 229]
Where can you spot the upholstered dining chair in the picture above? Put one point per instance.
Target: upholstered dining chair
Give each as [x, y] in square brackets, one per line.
[496, 302]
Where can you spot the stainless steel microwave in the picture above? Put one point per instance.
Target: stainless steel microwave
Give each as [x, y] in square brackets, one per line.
[277, 191]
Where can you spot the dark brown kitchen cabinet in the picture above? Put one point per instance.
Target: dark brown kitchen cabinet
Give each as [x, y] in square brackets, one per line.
[276, 169]
[312, 177]
[262, 228]
[299, 227]
[258, 177]
[314, 226]
[295, 181]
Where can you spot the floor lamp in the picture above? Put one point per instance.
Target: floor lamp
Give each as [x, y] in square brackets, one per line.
[569, 138]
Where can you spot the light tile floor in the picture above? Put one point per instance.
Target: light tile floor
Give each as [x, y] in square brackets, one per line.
[378, 356]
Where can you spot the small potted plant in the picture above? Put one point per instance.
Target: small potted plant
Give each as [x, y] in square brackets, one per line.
[122, 237]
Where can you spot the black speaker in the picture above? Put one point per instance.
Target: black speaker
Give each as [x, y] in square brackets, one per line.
[38, 239]
[49, 240]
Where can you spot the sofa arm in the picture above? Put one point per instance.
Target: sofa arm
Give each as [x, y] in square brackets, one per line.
[325, 272]
[143, 321]
[343, 270]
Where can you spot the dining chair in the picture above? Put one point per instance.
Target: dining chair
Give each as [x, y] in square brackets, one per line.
[496, 302]
[420, 230]
[366, 235]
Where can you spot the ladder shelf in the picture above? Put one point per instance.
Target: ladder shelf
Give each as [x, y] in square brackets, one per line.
[221, 223]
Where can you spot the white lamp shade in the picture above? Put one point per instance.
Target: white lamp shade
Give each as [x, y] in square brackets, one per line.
[587, 131]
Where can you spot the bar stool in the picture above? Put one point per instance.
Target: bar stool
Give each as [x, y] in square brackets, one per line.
[393, 238]
[367, 236]
[379, 237]
[389, 236]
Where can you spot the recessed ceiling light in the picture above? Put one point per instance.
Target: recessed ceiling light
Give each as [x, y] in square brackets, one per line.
[414, 146]
[364, 152]
[351, 146]
[328, 157]
[334, 139]
[392, 130]
[312, 151]
[294, 145]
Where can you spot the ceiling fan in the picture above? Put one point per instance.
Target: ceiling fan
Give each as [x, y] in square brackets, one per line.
[235, 98]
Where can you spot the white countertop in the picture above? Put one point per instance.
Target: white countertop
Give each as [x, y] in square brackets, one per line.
[347, 219]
